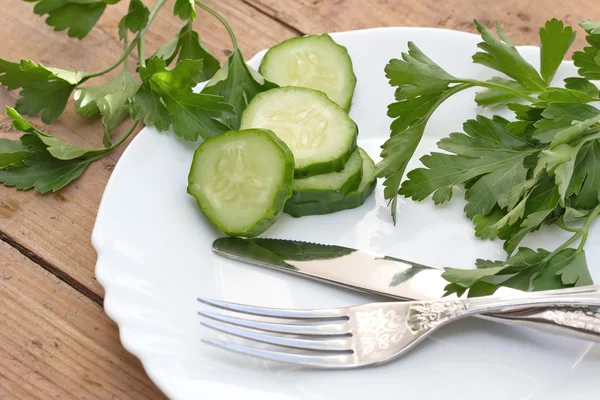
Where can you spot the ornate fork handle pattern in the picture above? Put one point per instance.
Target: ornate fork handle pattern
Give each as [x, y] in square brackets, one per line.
[382, 328]
[574, 318]
[427, 315]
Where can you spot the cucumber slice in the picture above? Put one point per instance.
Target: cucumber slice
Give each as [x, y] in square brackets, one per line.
[351, 200]
[329, 187]
[315, 62]
[320, 134]
[241, 180]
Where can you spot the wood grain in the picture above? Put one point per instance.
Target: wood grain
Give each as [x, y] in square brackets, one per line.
[56, 343]
[520, 19]
[57, 227]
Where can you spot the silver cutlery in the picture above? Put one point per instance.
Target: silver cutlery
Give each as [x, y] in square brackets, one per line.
[393, 278]
[366, 334]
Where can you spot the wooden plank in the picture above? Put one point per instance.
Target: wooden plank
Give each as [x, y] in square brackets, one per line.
[56, 343]
[520, 19]
[57, 227]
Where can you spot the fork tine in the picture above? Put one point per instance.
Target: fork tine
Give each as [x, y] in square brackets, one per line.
[274, 312]
[306, 344]
[325, 361]
[321, 329]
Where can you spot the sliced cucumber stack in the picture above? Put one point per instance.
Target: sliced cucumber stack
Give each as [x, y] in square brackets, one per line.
[320, 134]
[296, 151]
[351, 200]
[315, 62]
[329, 187]
[241, 180]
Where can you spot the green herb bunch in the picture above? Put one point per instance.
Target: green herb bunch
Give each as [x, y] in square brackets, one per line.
[160, 94]
[540, 168]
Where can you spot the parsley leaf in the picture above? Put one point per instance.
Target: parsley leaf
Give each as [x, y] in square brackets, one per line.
[12, 152]
[556, 38]
[166, 97]
[49, 163]
[190, 47]
[584, 86]
[540, 202]
[111, 100]
[572, 268]
[148, 107]
[588, 60]
[501, 55]
[48, 97]
[185, 9]
[407, 130]
[491, 97]
[135, 20]
[560, 162]
[486, 150]
[563, 121]
[44, 173]
[397, 152]
[421, 86]
[416, 74]
[43, 89]
[590, 27]
[562, 95]
[78, 16]
[527, 269]
[237, 87]
[585, 183]
[187, 45]
[57, 148]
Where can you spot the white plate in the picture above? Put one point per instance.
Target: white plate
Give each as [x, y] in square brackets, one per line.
[155, 258]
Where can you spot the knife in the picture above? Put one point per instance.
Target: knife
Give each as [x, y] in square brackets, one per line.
[394, 278]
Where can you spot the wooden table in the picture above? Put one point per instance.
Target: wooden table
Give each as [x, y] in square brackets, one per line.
[55, 340]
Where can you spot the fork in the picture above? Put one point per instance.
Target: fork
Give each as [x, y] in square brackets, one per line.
[372, 333]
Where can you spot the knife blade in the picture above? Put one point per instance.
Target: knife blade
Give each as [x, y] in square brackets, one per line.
[387, 276]
[338, 265]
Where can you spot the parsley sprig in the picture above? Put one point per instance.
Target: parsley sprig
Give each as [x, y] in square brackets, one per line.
[160, 94]
[539, 169]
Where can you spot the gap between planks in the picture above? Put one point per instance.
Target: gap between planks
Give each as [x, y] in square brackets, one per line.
[53, 269]
[274, 18]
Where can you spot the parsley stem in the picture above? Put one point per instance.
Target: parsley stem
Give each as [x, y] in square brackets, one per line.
[561, 223]
[126, 61]
[563, 246]
[106, 150]
[586, 227]
[153, 12]
[222, 20]
[138, 41]
[123, 57]
[140, 35]
[506, 89]
[125, 136]
[581, 233]
[141, 58]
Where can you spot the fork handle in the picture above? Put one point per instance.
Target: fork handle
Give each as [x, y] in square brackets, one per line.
[566, 321]
[570, 312]
[577, 322]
